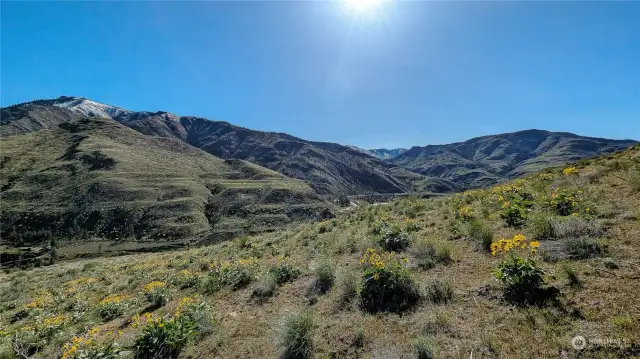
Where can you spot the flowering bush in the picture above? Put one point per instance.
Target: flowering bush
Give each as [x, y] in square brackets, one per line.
[513, 214]
[31, 338]
[570, 171]
[88, 347]
[565, 202]
[186, 279]
[111, 307]
[157, 293]
[284, 270]
[386, 284]
[166, 337]
[465, 213]
[235, 274]
[518, 271]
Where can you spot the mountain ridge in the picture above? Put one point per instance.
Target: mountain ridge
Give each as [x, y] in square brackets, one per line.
[333, 169]
[486, 160]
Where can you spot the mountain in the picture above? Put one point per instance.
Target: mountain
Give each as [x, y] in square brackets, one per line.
[386, 154]
[331, 169]
[487, 160]
[96, 177]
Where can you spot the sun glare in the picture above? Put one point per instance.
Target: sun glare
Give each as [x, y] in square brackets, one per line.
[361, 5]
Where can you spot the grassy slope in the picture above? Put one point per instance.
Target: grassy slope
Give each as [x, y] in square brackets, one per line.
[477, 321]
[163, 185]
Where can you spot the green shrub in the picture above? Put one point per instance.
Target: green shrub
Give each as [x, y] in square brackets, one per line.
[565, 202]
[325, 274]
[157, 293]
[197, 312]
[234, 274]
[423, 348]
[296, 336]
[584, 248]
[164, 338]
[634, 180]
[412, 226]
[88, 347]
[428, 254]
[521, 276]
[284, 271]
[444, 254]
[26, 341]
[394, 239]
[358, 338]
[576, 227]
[541, 227]
[186, 279]
[111, 307]
[610, 264]
[440, 292]
[513, 214]
[386, 284]
[478, 231]
[265, 287]
[572, 276]
[348, 287]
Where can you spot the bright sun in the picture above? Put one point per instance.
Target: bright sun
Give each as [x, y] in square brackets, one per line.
[361, 5]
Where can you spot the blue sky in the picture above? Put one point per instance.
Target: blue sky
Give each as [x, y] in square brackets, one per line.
[401, 74]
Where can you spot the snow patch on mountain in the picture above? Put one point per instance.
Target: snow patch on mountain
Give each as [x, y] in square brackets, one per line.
[91, 108]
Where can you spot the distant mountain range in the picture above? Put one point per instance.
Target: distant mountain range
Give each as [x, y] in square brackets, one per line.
[486, 160]
[74, 165]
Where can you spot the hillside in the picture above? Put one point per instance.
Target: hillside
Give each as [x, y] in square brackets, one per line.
[385, 154]
[331, 169]
[488, 160]
[332, 289]
[97, 178]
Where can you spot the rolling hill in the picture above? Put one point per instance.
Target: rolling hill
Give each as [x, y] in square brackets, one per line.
[331, 169]
[96, 177]
[488, 160]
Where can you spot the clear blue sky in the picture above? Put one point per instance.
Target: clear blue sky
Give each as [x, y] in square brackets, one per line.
[406, 73]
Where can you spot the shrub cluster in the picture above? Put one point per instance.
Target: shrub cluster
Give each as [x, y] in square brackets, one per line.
[394, 239]
[386, 284]
[112, 307]
[284, 270]
[521, 276]
[157, 293]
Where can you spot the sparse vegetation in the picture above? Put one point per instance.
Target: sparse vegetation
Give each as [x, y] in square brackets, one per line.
[440, 291]
[424, 348]
[296, 337]
[428, 254]
[255, 282]
[572, 276]
[585, 247]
